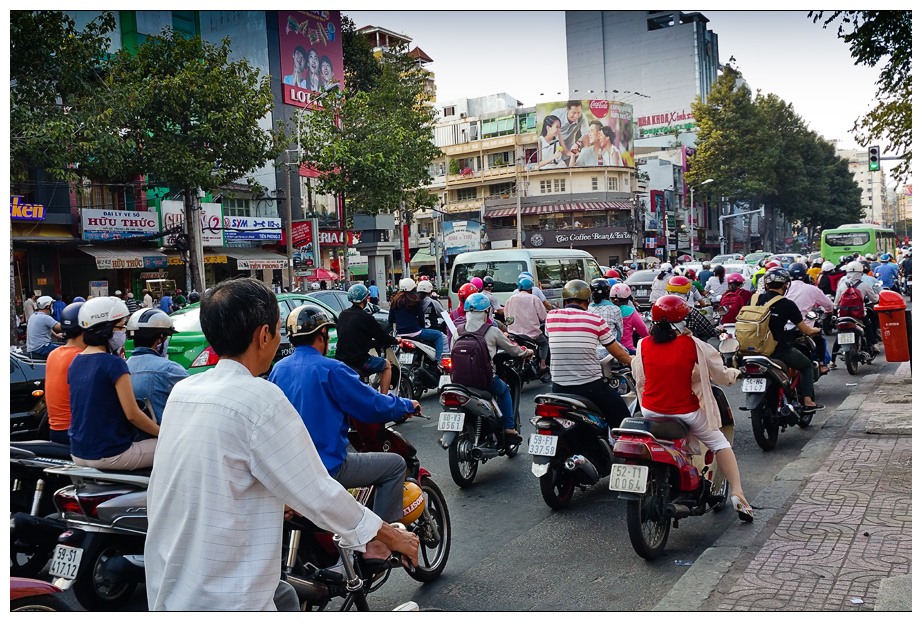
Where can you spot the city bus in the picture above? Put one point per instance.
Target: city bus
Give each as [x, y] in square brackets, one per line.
[857, 238]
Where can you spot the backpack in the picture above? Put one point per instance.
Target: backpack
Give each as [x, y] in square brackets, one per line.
[851, 304]
[471, 364]
[733, 301]
[752, 330]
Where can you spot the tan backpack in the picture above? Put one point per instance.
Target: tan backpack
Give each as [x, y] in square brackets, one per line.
[752, 329]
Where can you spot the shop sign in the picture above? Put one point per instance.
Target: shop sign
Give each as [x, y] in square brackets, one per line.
[461, 236]
[239, 228]
[262, 264]
[151, 275]
[668, 122]
[41, 281]
[99, 288]
[577, 238]
[212, 232]
[215, 259]
[25, 211]
[174, 260]
[101, 224]
[155, 262]
[301, 235]
[658, 252]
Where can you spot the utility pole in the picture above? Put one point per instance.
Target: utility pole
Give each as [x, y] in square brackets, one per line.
[345, 223]
[288, 249]
[193, 218]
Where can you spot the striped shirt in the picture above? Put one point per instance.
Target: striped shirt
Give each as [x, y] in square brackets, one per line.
[573, 335]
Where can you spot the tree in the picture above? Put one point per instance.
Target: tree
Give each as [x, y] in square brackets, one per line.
[362, 70]
[873, 36]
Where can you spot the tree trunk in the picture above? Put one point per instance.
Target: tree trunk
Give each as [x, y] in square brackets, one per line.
[196, 252]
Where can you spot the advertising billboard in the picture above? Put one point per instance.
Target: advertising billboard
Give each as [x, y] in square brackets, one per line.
[584, 133]
[173, 213]
[101, 224]
[311, 48]
[461, 236]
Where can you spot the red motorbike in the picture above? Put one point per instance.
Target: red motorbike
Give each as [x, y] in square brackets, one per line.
[661, 482]
[35, 595]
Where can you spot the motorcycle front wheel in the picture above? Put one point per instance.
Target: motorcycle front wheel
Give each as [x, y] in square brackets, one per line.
[765, 426]
[434, 535]
[93, 591]
[463, 468]
[647, 523]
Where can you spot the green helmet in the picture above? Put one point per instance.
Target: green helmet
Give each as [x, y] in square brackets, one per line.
[576, 289]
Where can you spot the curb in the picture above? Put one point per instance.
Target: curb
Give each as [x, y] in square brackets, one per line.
[702, 578]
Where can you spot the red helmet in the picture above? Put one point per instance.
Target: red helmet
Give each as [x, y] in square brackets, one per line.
[612, 274]
[735, 277]
[690, 274]
[678, 285]
[466, 290]
[670, 309]
[772, 264]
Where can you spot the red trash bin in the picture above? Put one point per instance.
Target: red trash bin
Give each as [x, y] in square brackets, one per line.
[891, 311]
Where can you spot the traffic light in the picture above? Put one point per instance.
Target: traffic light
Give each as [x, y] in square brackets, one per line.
[873, 158]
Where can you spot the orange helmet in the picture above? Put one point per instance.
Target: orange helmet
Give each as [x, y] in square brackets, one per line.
[670, 309]
[466, 290]
[413, 503]
[678, 285]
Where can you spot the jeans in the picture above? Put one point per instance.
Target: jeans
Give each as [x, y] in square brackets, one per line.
[821, 355]
[795, 358]
[45, 350]
[500, 390]
[430, 335]
[603, 395]
[385, 471]
[59, 436]
[541, 340]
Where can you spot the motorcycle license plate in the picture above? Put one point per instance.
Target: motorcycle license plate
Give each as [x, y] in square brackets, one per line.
[628, 478]
[444, 379]
[406, 358]
[65, 561]
[846, 338]
[641, 292]
[754, 385]
[542, 445]
[451, 422]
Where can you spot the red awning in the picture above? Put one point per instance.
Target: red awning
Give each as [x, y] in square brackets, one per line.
[563, 207]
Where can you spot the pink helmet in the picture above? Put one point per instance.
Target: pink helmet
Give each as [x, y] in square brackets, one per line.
[620, 290]
[735, 277]
[477, 282]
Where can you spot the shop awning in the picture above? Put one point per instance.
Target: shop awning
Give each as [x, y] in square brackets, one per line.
[115, 258]
[209, 255]
[422, 258]
[40, 232]
[603, 206]
[257, 259]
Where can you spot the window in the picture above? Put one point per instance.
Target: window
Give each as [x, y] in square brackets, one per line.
[859, 238]
[467, 194]
[595, 183]
[613, 184]
[499, 159]
[545, 186]
[499, 126]
[448, 111]
[526, 123]
[500, 189]
[560, 185]
[553, 273]
[505, 274]
[235, 207]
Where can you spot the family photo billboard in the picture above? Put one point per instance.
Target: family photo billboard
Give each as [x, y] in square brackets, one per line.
[311, 48]
[584, 133]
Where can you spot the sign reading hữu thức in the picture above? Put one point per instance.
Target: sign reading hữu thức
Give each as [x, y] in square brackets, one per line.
[98, 224]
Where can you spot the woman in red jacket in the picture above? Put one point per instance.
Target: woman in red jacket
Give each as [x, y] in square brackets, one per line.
[735, 298]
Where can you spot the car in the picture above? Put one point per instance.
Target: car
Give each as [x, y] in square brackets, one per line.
[189, 348]
[786, 259]
[815, 256]
[28, 414]
[755, 258]
[640, 283]
[338, 300]
[747, 270]
[725, 258]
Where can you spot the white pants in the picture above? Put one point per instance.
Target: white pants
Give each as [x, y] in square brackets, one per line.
[697, 424]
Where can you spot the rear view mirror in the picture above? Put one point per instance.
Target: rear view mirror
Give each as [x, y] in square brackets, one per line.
[510, 321]
[721, 310]
[729, 346]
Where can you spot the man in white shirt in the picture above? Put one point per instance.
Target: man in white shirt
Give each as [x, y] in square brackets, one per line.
[29, 307]
[591, 155]
[571, 120]
[233, 452]
[148, 300]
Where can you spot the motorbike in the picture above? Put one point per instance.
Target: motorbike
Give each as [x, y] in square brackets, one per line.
[531, 370]
[472, 423]
[311, 552]
[853, 341]
[419, 369]
[829, 320]
[772, 389]
[662, 479]
[35, 595]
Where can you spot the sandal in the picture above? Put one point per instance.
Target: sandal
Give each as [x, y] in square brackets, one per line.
[743, 511]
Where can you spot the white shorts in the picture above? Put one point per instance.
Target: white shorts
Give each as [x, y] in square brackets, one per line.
[697, 424]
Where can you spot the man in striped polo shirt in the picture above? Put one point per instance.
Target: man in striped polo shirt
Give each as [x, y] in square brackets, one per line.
[573, 334]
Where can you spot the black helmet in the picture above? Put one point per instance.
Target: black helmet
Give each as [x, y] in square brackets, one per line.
[488, 282]
[600, 289]
[798, 271]
[776, 275]
[194, 297]
[307, 320]
[69, 319]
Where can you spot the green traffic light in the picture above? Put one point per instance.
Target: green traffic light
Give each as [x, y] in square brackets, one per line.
[874, 158]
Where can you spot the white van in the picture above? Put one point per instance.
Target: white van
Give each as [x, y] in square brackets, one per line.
[552, 268]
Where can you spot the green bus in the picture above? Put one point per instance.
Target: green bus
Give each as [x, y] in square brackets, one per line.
[857, 238]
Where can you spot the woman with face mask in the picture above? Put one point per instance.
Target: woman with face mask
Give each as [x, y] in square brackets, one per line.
[104, 413]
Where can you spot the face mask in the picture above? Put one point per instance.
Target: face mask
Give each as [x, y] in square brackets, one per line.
[163, 347]
[117, 342]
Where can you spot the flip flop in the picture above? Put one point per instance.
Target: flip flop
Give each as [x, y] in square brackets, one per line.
[743, 511]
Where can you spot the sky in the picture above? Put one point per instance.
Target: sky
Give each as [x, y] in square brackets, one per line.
[523, 53]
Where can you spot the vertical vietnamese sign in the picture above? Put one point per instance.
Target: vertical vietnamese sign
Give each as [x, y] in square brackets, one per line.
[311, 48]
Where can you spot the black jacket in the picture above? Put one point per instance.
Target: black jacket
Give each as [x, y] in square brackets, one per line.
[357, 332]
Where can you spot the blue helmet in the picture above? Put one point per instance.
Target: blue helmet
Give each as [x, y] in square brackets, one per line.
[357, 293]
[79, 299]
[885, 257]
[526, 282]
[69, 316]
[477, 302]
[798, 271]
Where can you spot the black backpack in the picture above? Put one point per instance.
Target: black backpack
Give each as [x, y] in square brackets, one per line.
[471, 364]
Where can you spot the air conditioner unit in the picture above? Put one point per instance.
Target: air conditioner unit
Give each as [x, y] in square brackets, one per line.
[463, 115]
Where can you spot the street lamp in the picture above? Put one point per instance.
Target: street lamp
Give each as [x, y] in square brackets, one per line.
[693, 232]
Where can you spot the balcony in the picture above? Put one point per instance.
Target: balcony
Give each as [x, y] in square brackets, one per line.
[484, 175]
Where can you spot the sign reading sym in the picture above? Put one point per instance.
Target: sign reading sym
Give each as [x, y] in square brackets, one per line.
[584, 133]
[311, 48]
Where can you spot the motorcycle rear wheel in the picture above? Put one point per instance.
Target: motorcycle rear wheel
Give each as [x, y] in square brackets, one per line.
[432, 559]
[764, 428]
[462, 471]
[557, 487]
[93, 592]
[41, 602]
[851, 361]
[647, 524]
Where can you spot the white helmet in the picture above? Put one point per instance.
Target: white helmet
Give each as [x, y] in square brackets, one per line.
[680, 271]
[44, 302]
[151, 320]
[424, 287]
[666, 267]
[706, 265]
[101, 310]
[406, 285]
[828, 266]
[854, 266]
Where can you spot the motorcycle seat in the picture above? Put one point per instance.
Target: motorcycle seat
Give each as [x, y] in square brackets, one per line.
[522, 340]
[45, 449]
[481, 393]
[667, 428]
[579, 399]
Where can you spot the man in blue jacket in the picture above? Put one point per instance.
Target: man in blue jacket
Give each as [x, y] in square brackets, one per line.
[326, 392]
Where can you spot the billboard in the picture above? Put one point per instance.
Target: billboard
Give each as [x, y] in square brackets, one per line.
[460, 236]
[101, 224]
[584, 133]
[173, 213]
[311, 48]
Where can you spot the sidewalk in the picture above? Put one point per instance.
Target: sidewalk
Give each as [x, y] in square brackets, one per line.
[834, 531]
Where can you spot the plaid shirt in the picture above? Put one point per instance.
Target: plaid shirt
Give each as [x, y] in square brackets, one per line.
[700, 326]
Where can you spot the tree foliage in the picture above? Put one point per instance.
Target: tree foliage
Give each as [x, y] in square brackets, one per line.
[374, 146]
[873, 36]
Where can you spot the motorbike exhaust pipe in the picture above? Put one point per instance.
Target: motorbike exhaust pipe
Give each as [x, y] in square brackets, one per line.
[676, 511]
[479, 453]
[309, 591]
[582, 463]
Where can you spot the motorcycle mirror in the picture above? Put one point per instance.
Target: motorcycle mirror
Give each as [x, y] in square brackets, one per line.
[510, 321]
[729, 346]
[721, 310]
[811, 315]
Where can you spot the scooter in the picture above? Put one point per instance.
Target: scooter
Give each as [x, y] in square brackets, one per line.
[420, 368]
[661, 481]
[531, 370]
[35, 595]
[853, 342]
[472, 424]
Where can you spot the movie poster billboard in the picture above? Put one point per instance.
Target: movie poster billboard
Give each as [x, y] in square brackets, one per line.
[584, 133]
[311, 48]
